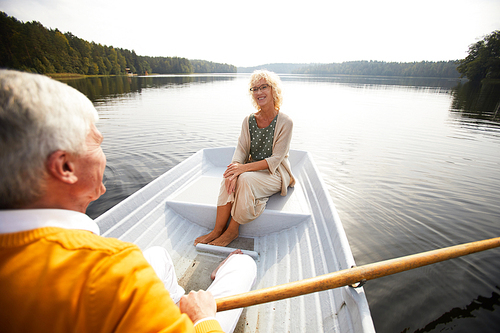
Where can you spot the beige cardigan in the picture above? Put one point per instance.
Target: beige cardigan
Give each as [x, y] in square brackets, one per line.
[281, 146]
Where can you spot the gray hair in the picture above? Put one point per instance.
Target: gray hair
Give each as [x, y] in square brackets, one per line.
[38, 116]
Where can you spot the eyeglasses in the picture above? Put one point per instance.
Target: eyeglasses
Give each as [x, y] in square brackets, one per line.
[262, 87]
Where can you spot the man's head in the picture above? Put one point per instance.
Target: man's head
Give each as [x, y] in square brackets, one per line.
[50, 151]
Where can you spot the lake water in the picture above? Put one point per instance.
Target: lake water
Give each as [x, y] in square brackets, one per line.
[411, 164]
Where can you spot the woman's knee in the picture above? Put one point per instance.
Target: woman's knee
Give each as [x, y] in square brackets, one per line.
[244, 178]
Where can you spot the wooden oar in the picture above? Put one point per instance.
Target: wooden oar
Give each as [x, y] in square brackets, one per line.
[352, 276]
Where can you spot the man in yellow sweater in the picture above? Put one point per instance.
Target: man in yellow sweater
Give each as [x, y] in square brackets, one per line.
[56, 273]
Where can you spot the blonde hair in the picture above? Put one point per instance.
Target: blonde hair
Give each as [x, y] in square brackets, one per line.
[271, 79]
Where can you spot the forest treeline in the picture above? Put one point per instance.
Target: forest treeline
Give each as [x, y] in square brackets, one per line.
[483, 60]
[442, 69]
[33, 48]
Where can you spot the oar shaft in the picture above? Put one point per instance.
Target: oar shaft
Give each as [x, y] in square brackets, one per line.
[352, 275]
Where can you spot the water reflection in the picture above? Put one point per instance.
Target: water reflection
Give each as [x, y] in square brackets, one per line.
[358, 80]
[101, 88]
[469, 311]
[477, 101]
[467, 97]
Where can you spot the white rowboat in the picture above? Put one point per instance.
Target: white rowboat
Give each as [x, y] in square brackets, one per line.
[298, 236]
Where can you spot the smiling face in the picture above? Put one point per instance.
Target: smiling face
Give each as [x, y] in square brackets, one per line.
[263, 97]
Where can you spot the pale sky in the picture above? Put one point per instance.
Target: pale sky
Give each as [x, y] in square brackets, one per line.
[251, 33]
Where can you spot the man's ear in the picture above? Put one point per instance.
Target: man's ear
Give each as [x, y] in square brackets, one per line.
[60, 165]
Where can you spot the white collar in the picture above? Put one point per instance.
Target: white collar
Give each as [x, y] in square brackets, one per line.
[28, 219]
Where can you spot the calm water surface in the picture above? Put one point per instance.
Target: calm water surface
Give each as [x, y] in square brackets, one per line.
[411, 164]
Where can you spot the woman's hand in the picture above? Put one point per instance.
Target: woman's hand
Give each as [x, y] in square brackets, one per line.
[234, 170]
[231, 175]
[230, 185]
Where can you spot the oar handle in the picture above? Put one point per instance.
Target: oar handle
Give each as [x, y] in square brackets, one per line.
[353, 275]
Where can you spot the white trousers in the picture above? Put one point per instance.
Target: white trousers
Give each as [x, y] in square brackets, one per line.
[235, 276]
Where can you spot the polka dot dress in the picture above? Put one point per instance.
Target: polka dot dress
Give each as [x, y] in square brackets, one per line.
[261, 145]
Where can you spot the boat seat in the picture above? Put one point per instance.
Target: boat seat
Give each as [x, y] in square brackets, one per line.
[197, 202]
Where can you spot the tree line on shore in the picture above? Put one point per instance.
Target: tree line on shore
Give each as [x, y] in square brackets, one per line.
[482, 62]
[443, 69]
[33, 48]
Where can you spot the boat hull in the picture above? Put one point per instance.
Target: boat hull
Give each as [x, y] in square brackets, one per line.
[298, 236]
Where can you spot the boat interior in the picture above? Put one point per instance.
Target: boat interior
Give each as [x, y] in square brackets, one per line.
[298, 236]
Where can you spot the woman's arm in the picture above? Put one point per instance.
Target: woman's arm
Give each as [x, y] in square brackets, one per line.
[281, 144]
[243, 148]
[235, 169]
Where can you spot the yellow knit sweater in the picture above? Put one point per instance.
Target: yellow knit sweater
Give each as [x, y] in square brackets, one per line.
[58, 280]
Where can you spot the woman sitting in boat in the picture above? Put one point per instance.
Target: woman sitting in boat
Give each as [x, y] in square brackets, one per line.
[259, 167]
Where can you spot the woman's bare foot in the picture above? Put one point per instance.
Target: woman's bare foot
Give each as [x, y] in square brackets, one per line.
[205, 239]
[227, 237]
[223, 215]
[212, 276]
[231, 233]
